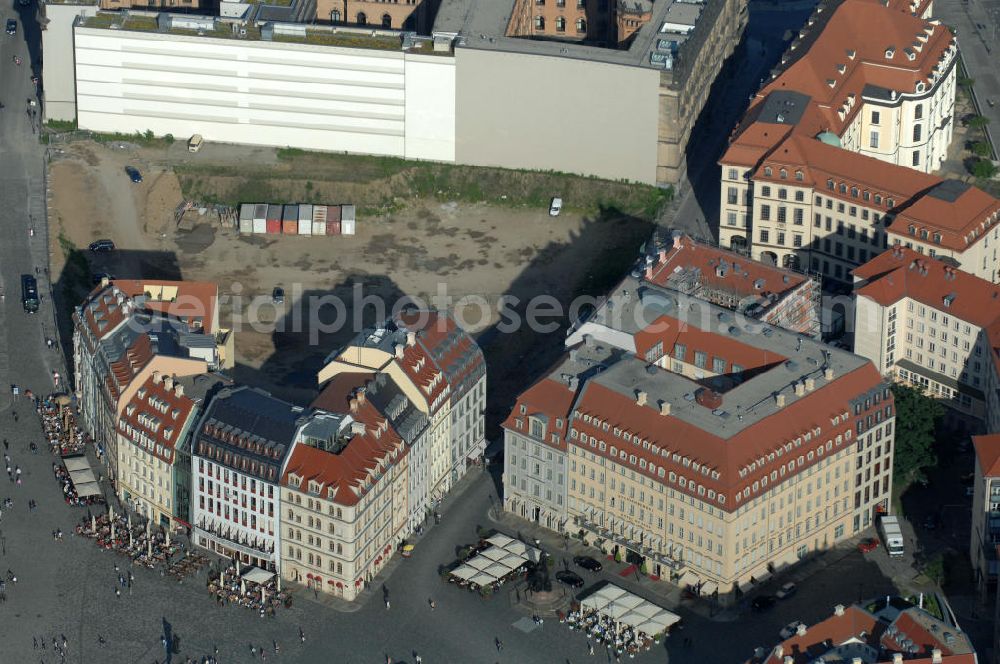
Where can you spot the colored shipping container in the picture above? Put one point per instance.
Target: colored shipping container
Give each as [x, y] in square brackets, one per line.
[290, 213]
[333, 212]
[260, 225]
[290, 227]
[348, 224]
[274, 213]
[274, 226]
[305, 226]
[348, 227]
[246, 211]
[246, 225]
[319, 213]
[332, 227]
[347, 212]
[319, 228]
[305, 212]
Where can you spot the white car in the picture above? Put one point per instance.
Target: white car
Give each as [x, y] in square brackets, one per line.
[555, 207]
[786, 591]
[790, 630]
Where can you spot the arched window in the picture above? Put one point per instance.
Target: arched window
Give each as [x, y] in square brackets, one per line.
[362, 18]
[335, 16]
[560, 24]
[581, 25]
[539, 23]
[386, 21]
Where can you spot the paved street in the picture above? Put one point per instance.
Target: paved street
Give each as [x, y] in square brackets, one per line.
[978, 26]
[696, 209]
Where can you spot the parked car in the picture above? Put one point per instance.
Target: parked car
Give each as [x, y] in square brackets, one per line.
[555, 207]
[786, 591]
[789, 630]
[11, 27]
[133, 174]
[101, 246]
[763, 602]
[588, 563]
[278, 295]
[868, 545]
[571, 579]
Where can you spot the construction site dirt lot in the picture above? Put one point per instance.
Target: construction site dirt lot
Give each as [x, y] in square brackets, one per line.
[415, 246]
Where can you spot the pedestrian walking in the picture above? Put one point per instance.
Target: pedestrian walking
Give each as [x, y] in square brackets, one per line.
[386, 604]
[34, 643]
[432, 604]
[499, 644]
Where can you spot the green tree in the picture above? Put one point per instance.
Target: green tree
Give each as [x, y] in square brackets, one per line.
[916, 415]
[977, 122]
[934, 569]
[965, 82]
[984, 168]
[980, 149]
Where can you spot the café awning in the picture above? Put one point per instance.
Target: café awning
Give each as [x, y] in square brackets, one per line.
[257, 575]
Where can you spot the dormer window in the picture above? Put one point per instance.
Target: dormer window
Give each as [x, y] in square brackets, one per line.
[767, 171]
[889, 53]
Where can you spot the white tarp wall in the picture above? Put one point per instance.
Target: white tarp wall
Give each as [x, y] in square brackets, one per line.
[279, 94]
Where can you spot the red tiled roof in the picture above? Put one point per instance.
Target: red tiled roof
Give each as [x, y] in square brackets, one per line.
[741, 277]
[366, 454]
[194, 300]
[900, 273]
[128, 366]
[959, 223]
[441, 347]
[547, 397]
[988, 453]
[835, 629]
[670, 331]
[172, 422]
[101, 313]
[868, 29]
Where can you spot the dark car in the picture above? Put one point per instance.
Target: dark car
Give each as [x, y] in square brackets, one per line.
[278, 295]
[867, 545]
[101, 246]
[11, 26]
[29, 293]
[571, 579]
[763, 603]
[134, 174]
[588, 563]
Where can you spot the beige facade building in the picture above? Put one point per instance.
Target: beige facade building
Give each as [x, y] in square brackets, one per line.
[344, 494]
[813, 205]
[712, 458]
[571, 20]
[925, 323]
[152, 5]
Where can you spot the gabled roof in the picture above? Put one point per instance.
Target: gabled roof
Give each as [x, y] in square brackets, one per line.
[442, 345]
[160, 414]
[899, 273]
[345, 475]
[988, 453]
[845, 53]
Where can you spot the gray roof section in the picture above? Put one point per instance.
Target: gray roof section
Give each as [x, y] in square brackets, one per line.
[483, 24]
[633, 305]
[949, 190]
[407, 420]
[253, 411]
[783, 107]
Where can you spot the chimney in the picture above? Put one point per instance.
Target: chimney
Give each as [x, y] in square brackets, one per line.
[649, 272]
[789, 659]
[779, 400]
[828, 373]
[398, 349]
[810, 384]
[361, 396]
[663, 253]
[178, 389]
[801, 631]
[354, 405]
[857, 660]
[411, 338]
[838, 610]
[357, 428]
[664, 407]
[800, 388]
[104, 282]
[168, 383]
[157, 378]
[897, 658]
[640, 398]
[936, 656]
[778, 651]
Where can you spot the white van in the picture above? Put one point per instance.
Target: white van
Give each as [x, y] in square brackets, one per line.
[195, 143]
